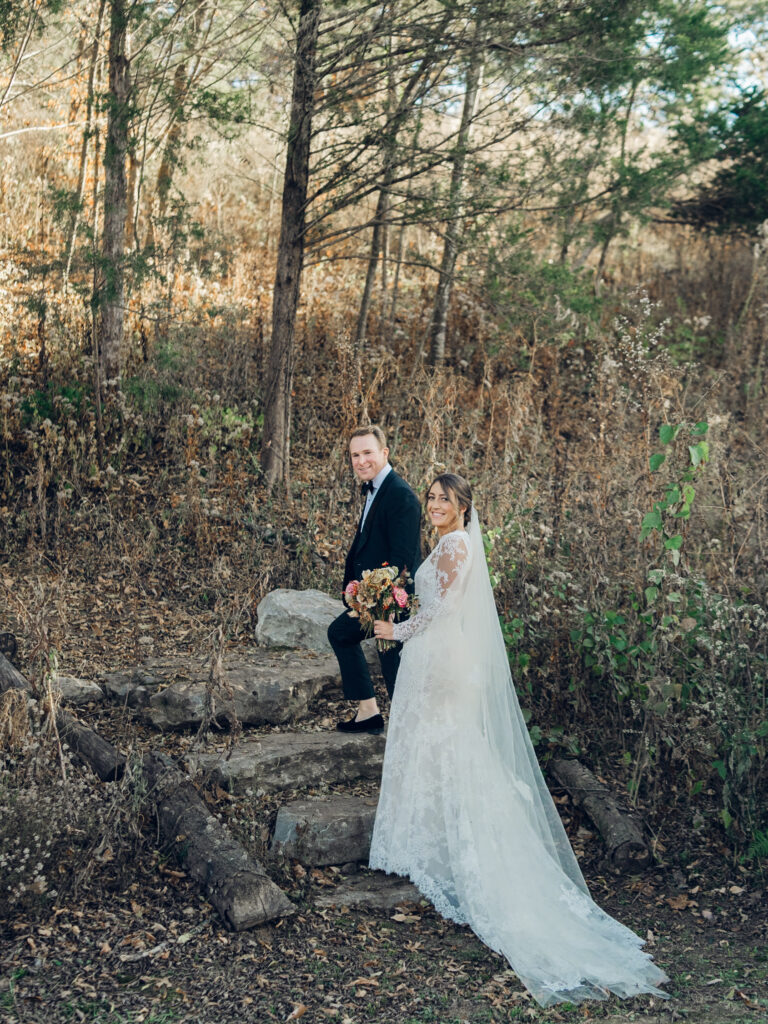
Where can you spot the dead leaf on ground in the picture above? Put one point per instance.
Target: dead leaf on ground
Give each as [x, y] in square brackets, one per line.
[678, 902]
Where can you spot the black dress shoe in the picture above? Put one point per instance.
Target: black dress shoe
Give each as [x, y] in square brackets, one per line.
[373, 725]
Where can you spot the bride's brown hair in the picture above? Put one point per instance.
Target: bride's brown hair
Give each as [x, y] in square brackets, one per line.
[457, 488]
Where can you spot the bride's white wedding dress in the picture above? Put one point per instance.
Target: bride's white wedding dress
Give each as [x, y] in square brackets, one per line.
[464, 810]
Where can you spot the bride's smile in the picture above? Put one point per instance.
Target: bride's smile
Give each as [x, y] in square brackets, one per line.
[444, 511]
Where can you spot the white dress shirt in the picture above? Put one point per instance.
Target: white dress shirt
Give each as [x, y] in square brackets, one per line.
[377, 482]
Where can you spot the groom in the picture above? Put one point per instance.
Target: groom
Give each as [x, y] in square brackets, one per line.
[388, 531]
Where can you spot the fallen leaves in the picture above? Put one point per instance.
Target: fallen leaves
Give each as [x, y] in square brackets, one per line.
[679, 902]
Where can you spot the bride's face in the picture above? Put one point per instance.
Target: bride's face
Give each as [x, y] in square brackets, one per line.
[443, 510]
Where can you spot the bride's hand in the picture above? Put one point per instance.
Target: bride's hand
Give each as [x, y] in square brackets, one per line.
[383, 630]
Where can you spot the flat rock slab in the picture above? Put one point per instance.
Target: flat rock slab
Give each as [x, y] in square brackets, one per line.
[77, 691]
[294, 760]
[300, 618]
[317, 832]
[374, 891]
[261, 688]
[131, 686]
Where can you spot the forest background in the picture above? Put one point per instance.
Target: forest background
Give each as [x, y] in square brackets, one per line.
[530, 240]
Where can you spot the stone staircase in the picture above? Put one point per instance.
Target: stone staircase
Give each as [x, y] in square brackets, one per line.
[271, 686]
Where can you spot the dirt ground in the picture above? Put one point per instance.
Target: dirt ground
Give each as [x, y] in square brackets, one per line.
[137, 942]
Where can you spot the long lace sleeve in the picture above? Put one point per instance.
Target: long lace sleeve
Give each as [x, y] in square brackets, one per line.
[451, 555]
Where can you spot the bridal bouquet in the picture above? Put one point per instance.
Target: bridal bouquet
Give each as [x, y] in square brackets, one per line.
[380, 594]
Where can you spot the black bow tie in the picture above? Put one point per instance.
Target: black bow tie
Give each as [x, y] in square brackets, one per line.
[367, 488]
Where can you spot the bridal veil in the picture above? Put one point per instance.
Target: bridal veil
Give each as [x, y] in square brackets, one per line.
[464, 809]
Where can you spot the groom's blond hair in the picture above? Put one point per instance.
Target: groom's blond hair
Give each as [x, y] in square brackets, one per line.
[370, 428]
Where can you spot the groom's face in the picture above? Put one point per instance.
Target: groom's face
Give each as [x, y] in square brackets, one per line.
[367, 456]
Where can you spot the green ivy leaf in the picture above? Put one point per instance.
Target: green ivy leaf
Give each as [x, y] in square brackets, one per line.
[651, 521]
[667, 433]
[720, 768]
[700, 428]
[699, 453]
[651, 593]
[674, 543]
[656, 460]
[673, 495]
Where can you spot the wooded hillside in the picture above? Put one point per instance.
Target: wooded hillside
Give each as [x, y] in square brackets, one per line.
[529, 240]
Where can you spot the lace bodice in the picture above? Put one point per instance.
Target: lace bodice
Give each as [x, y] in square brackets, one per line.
[438, 583]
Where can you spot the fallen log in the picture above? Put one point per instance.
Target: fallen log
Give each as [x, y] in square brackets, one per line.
[235, 883]
[106, 760]
[10, 677]
[8, 645]
[626, 849]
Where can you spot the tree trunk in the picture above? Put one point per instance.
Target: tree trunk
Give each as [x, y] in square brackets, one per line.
[373, 260]
[87, 132]
[626, 849]
[276, 442]
[453, 227]
[172, 142]
[112, 286]
[28, 32]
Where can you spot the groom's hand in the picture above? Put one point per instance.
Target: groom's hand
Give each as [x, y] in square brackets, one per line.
[383, 630]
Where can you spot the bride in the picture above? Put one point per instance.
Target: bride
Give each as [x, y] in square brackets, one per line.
[464, 810]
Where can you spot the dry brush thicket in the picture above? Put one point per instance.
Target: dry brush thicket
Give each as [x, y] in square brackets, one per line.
[615, 442]
[647, 652]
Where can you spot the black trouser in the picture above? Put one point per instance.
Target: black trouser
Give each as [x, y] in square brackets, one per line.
[345, 636]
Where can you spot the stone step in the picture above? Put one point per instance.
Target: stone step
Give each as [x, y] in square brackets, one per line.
[77, 691]
[336, 830]
[258, 688]
[294, 760]
[374, 891]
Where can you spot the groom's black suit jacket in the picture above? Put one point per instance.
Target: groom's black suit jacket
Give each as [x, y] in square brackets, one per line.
[392, 531]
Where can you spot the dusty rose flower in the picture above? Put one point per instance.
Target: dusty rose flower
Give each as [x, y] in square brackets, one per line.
[400, 596]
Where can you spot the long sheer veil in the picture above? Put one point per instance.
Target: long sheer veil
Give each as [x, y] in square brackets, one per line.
[507, 750]
[464, 809]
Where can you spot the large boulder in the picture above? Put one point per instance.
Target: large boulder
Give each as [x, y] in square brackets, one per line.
[294, 760]
[300, 618]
